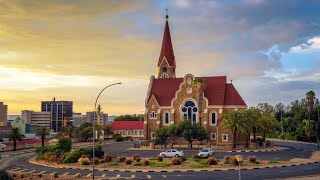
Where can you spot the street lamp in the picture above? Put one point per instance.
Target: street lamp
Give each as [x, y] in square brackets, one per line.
[94, 126]
[239, 159]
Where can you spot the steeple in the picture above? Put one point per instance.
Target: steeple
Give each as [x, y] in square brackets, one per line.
[166, 68]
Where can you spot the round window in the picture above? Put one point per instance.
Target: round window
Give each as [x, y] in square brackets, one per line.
[164, 69]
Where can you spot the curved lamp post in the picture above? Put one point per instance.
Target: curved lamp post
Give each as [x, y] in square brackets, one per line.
[94, 126]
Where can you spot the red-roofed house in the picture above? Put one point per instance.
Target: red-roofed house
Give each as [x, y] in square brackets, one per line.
[170, 99]
[128, 128]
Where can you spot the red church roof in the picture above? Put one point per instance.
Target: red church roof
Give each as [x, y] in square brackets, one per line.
[166, 49]
[126, 125]
[217, 91]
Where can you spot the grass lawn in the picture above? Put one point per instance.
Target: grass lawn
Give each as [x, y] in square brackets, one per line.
[199, 165]
[159, 164]
[112, 164]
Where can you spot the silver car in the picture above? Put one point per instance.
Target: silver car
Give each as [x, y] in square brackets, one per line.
[206, 152]
[172, 153]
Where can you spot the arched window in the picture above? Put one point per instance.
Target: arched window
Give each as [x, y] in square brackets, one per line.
[164, 75]
[166, 118]
[189, 111]
[213, 118]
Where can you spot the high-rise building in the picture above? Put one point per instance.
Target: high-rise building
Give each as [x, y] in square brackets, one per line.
[3, 114]
[92, 116]
[36, 119]
[61, 113]
[78, 119]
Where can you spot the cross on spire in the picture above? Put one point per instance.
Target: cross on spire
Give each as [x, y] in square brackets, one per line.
[167, 14]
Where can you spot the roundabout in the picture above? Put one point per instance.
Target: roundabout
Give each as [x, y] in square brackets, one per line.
[21, 165]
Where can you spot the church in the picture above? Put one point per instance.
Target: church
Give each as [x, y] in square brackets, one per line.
[171, 99]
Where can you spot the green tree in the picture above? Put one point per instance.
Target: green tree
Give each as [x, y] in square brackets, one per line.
[64, 145]
[200, 85]
[200, 133]
[185, 129]
[69, 130]
[162, 135]
[280, 109]
[234, 121]
[310, 97]
[14, 136]
[86, 133]
[107, 130]
[129, 117]
[42, 132]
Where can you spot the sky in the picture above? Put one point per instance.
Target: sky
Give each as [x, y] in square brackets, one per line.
[71, 49]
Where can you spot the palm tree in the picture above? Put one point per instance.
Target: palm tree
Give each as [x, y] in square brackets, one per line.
[200, 86]
[310, 97]
[42, 132]
[69, 130]
[234, 120]
[251, 120]
[15, 136]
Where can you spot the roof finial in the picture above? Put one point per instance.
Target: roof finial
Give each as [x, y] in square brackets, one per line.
[231, 81]
[167, 14]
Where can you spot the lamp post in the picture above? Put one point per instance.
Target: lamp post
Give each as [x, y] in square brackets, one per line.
[94, 127]
[239, 159]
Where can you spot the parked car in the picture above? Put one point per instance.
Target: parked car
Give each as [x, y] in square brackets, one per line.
[206, 152]
[171, 153]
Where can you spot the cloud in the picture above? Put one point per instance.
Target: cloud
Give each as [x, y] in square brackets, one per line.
[312, 45]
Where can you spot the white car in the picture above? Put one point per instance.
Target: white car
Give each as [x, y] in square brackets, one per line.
[172, 153]
[206, 152]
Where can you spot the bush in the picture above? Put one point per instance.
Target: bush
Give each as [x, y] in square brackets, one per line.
[108, 157]
[226, 159]
[42, 149]
[196, 157]
[112, 164]
[129, 161]
[64, 145]
[252, 159]
[53, 157]
[4, 175]
[119, 138]
[122, 159]
[115, 135]
[84, 161]
[136, 156]
[85, 156]
[128, 138]
[200, 165]
[96, 161]
[233, 161]
[183, 158]
[72, 157]
[102, 161]
[160, 159]
[176, 161]
[146, 162]
[137, 164]
[212, 161]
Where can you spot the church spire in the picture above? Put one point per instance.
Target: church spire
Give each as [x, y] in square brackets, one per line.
[167, 53]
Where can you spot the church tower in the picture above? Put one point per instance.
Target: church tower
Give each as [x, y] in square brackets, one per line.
[166, 63]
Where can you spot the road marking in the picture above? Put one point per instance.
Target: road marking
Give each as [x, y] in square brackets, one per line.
[90, 174]
[78, 174]
[52, 173]
[164, 176]
[65, 174]
[118, 175]
[23, 170]
[148, 176]
[41, 172]
[133, 176]
[103, 175]
[31, 171]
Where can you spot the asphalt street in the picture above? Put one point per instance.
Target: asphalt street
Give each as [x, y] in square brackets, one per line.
[20, 164]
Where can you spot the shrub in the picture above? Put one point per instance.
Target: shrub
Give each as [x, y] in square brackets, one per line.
[102, 161]
[199, 165]
[129, 161]
[115, 135]
[160, 159]
[137, 164]
[72, 157]
[138, 159]
[226, 159]
[64, 145]
[85, 156]
[128, 138]
[119, 138]
[136, 156]
[196, 156]
[160, 164]
[96, 161]
[4, 175]
[183, 158]
[53, 157]
[252, 159]
[233, 161]
[212, 161]
[146, 162]
[273, 161]
[84, 161]
[112, 164]
[42, 149]
[176, 161]
[122, 159]
[108, 157]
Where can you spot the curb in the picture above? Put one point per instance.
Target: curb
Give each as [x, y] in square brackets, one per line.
[182, 170]
[297, 142]
[265, 150]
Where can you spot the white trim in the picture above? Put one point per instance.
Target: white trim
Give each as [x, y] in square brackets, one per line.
[153, 115]
[149, 90]
[154, 99]
[196, 105]
[227, 137]
[152, 135]
[164, 75]
[215, 136]
[164, 118]
[166, 61]
[216, 118]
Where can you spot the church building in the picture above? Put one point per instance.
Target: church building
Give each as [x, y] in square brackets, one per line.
[203, 100]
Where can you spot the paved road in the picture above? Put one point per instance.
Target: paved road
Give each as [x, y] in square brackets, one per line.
[120, 149]
[20, 164]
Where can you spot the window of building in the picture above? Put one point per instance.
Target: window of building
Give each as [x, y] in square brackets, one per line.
[135, 133]
[225, 137]
[153, 115]
[129, 132]
[213, 118]
[213, 136]
[152, 135]
[164, 75]
[189, 111]
[124, 133]
[141, 133]
[166, 118]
